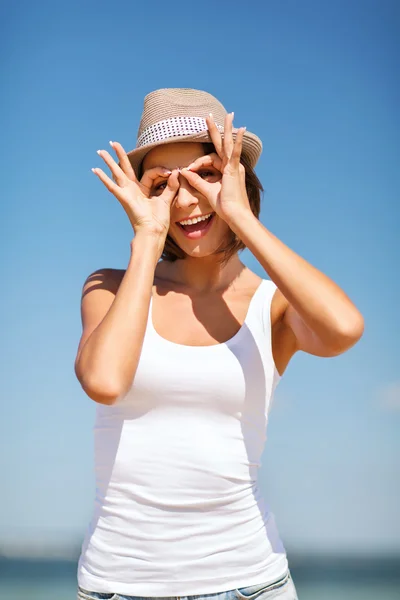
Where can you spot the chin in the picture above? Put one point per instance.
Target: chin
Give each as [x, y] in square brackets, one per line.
[198, 253]
[197, 249]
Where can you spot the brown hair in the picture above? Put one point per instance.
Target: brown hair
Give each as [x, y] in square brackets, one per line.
[228, 248]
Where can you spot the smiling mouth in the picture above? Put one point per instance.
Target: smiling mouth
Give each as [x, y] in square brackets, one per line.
[197, 230]
[199, 226]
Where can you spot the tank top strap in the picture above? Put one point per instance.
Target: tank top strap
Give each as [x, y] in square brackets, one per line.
[261, 322]
[269, 291]
[260, 307]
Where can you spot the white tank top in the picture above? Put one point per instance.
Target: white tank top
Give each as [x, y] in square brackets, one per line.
[178, 509]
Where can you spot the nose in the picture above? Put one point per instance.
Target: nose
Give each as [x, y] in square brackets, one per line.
[186, 195]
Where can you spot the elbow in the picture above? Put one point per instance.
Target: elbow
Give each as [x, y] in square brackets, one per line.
[99, 391]
[355, 329]
[350, 334]
[100, 395]
[102, 386]
[103, 392]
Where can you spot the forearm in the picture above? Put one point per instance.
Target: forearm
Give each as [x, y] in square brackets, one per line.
[111, 354]
[323, 305]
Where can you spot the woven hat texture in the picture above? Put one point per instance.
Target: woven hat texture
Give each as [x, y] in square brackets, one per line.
[178, 115]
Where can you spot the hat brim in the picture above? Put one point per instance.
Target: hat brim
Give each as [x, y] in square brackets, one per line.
[251, 147]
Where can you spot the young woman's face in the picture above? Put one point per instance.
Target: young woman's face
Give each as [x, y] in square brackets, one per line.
[204, 238]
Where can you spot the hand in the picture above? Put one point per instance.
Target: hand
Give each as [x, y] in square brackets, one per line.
[227, 197]
[145, 212]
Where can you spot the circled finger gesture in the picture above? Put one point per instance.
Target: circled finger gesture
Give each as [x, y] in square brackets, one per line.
[144, 210]
[229, 197]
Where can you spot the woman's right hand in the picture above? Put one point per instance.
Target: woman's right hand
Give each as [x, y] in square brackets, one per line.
[146, 211]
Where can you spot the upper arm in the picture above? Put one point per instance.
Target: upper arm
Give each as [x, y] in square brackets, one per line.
[98, 294]
[291, 334]
[305, 339]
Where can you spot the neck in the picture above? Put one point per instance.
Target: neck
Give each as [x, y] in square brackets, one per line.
[206, 274]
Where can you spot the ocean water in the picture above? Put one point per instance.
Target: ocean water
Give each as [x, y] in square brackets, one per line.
[315, 579]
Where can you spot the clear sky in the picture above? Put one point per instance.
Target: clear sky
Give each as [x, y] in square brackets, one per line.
[318, 82]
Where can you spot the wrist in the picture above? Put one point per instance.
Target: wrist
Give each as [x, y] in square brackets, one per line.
[240, 219]
[148, 241]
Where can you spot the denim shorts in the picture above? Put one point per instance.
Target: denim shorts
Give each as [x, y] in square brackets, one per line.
[282, 589]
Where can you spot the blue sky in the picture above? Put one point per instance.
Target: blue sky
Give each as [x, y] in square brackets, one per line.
[318, 83]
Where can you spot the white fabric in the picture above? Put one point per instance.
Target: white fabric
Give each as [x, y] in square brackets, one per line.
[173, 127]
[178, 509]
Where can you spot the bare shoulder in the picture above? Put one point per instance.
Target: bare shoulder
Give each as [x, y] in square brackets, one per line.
[98, 293]
[105, 279]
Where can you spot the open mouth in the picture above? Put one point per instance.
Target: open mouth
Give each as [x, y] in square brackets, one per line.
[198, 229]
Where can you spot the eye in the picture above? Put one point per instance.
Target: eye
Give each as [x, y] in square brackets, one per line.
[159, 188]
[207, 173]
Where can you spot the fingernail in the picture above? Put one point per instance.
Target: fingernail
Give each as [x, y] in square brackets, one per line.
[211, 115]
[98, 151]
[233, 114]
[94, 170]
[111, 144]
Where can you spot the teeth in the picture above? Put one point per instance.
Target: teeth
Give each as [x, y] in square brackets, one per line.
[196, 220]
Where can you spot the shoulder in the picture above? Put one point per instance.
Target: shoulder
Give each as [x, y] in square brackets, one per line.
[106, 279]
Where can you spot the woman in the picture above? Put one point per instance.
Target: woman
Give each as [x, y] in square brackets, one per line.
[182, 356]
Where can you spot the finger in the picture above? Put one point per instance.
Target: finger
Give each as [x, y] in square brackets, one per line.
[228, 139]
[237, 148]
[124, 162]
[151, 175]
[110, 185]
[207, 160]
[242, 175]
[118, 174]
[215, 135]
[171, 188]
[197, 182]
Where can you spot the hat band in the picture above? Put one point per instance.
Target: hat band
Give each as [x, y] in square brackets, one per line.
[173, 127]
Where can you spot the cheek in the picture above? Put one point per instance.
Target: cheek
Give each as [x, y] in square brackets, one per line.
[223, 227]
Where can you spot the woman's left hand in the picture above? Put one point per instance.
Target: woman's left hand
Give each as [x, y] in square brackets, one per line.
[228, 197]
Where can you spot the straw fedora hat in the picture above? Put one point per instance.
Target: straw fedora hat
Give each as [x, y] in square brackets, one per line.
[178, 115]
